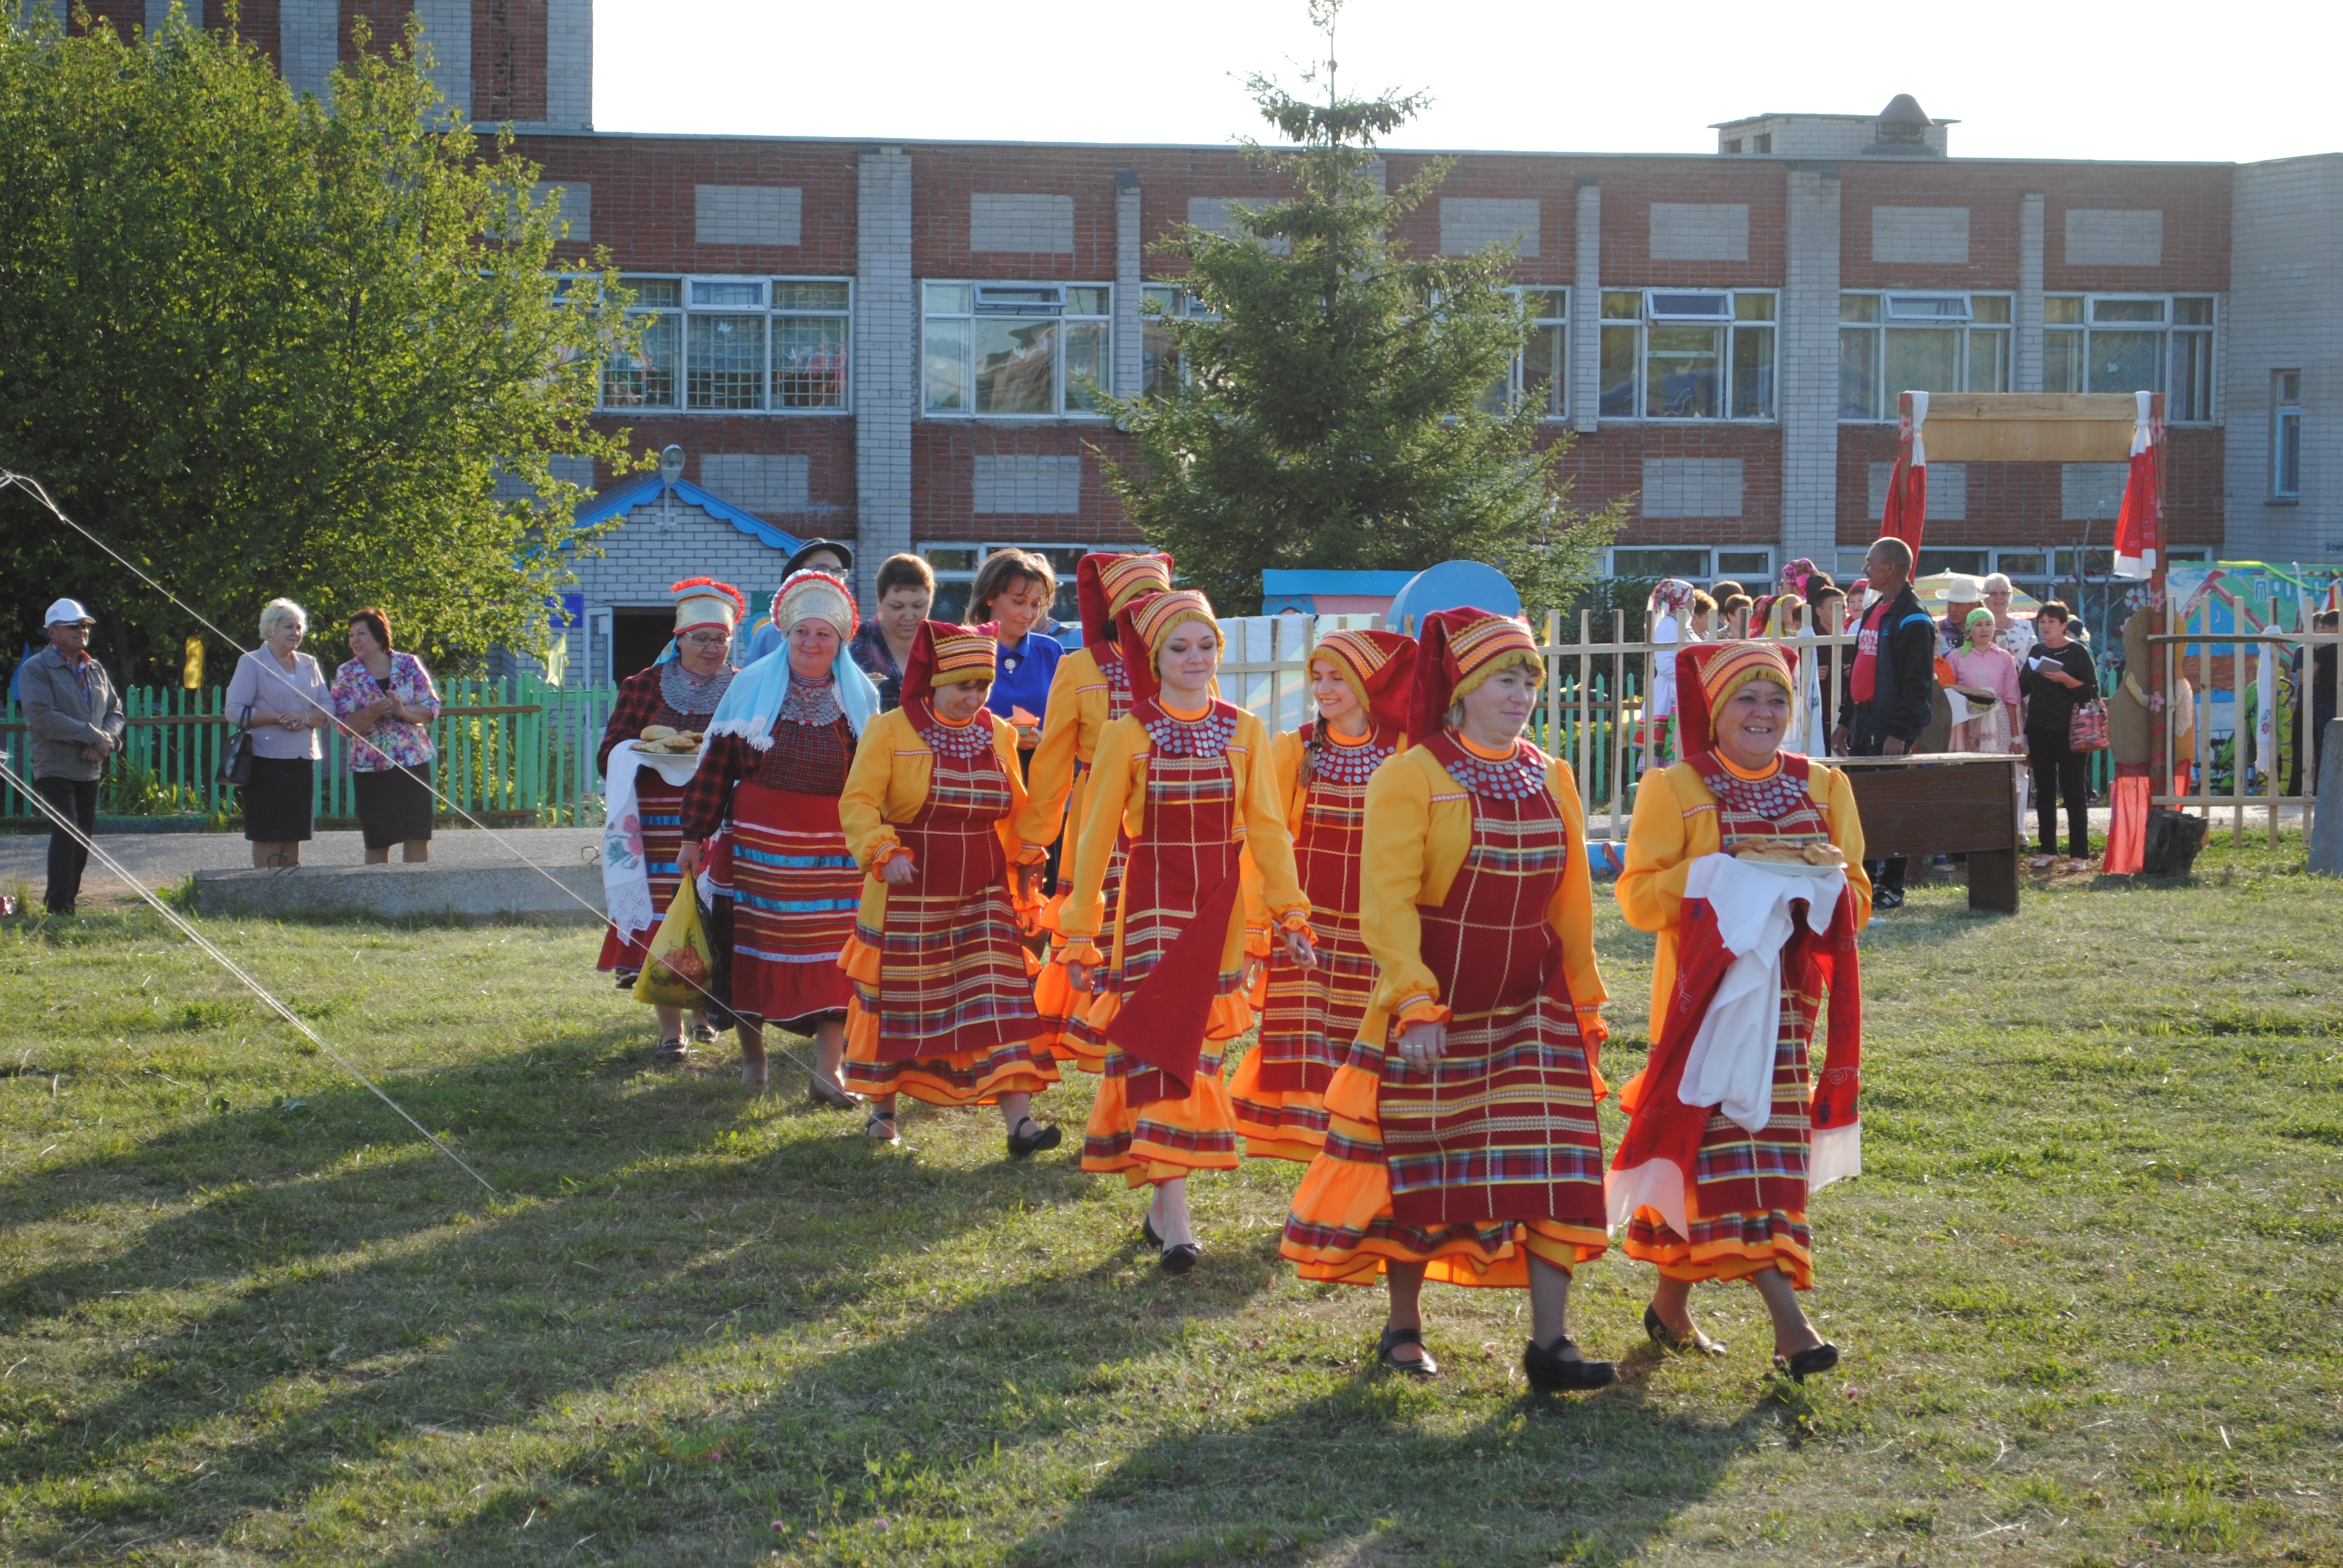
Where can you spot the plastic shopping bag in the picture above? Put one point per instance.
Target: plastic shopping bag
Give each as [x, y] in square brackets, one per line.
[680, 962]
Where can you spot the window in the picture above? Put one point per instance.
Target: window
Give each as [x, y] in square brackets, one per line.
[1541, 371]
[1688, 353]
[1161, 374]
[955, 567]
[732, 345]
[1697, 564]
[2286, 436]
[2132, 342]
[1017, 349]
[1918, 341]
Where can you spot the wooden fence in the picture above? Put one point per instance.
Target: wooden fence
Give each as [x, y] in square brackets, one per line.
[2267, 682]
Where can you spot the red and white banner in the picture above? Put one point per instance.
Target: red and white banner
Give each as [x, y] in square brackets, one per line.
[2139, 526]
[1907, 512]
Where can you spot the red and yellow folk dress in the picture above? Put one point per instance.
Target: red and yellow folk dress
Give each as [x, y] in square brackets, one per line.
[1091, 690]
[1478, 908]
[1310, 1016]
[943, 989]
[1192, 797]
[1744, 1193]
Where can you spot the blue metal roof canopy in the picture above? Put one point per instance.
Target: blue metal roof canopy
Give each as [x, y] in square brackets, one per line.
[626, 498]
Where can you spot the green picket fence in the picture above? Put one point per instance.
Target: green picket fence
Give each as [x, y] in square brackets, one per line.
[513, 752]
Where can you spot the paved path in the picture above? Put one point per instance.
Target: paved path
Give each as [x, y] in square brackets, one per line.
[160, 859]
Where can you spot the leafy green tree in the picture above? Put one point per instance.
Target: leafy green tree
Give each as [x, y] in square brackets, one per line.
[1334, 404]
[263, 345]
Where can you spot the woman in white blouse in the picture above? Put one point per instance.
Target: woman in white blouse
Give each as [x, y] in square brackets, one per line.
[286, 694]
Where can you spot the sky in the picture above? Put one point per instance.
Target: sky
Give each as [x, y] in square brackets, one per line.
[2045, 78]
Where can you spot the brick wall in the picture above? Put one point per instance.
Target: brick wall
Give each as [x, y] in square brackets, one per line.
[508, 45]
[2017, 505]
[647, 199]
[944, 492]
[826, 441]
[1612, 462]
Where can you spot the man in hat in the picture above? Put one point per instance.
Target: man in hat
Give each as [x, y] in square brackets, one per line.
[76, 720]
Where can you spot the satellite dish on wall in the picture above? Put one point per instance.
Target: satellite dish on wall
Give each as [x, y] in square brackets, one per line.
[1450, 584]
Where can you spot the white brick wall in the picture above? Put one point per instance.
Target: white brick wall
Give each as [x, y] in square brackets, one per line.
[569, 65]
[1129, 278]
[772, 484]
[886, 360]
[577, 205]
[448, 33]
[2026, 371]
[1809, 363]
[748, 215]
[1948, 490]
[1692, 488]
[309, 42]
[1016, 222]
[1210, 214]
[641, 558]
[1920, 233]
[2115, 237]
[1700, 231]
[1470, 225]
[1587, 305]
[2091, 491]
[1018, 486]
[2286, 275]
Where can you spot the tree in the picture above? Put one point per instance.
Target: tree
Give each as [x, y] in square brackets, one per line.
[1331, 406]
[263, 346]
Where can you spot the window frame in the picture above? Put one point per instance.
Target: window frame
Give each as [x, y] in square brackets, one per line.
[1885, 318]
[1557, 409]
[2171, 329]
[769, 312]
[1063, 390]
[1730, 323]
[2286, 438]
[1711, 571]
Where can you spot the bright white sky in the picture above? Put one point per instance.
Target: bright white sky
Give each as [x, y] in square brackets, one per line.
[2026, 79]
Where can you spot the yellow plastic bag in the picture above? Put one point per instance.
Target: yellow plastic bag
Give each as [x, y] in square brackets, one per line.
[677, 970]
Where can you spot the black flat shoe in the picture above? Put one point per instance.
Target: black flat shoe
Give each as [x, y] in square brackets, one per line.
[670, 1053]
[1423, 1368]
[1023, 1148]
[1886, 899]
[1180, 1259]
[1668, 1340]
[1147, 1230]
[1549, 1373]
[1822, 1358]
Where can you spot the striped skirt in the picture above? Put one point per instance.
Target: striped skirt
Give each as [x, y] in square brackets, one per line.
[1306, 1029]
[659, 806]
[952, 973]
[796, 889]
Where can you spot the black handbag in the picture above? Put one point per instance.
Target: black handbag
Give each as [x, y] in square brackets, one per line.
[236, 759]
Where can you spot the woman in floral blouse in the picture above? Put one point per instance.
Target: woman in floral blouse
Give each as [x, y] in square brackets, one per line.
[388, 703]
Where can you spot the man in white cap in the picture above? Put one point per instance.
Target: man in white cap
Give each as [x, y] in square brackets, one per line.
[75, 718]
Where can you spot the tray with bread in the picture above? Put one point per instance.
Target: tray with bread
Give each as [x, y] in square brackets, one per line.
[666, 738]
[1817, 859]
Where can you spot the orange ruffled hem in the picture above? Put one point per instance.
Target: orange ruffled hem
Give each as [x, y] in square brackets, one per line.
[1057, 1000]
[1722, 1261]
[1232, 1014]
[958, 1078]
[1165, 1140]
[1276, 1125]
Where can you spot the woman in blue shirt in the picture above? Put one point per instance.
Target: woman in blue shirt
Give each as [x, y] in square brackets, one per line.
[1013, 591]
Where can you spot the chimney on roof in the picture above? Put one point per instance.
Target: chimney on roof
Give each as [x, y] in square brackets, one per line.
[1903, 131]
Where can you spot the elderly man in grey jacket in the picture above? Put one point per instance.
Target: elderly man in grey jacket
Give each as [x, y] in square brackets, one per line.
[75, 720]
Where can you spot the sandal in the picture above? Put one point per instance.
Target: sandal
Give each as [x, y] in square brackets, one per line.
[1822, 1358]
[881, 1128]
[1023, 1148]
[1423, 1368]
[1549, 1371]
[2041, 862]
[1667, 1339]
[670, 1053]
[703, 1033]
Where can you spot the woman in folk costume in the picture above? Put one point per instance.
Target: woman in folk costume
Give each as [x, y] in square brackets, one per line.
[1183, 780]
[778, 754]
[943, 996]
[1747, 860]
[1361, 682]
[1463, 1146]
[643, 818]
[1091, 690]
[1667, 622]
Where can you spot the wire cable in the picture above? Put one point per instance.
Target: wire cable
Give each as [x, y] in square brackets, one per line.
[90, 846]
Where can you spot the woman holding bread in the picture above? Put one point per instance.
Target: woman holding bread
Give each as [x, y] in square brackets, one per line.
[1747, 862]
[660, 708]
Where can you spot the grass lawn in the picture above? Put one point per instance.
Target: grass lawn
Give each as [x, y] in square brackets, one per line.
[2086, 1289]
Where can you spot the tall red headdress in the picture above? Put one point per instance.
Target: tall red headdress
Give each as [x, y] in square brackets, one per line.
[1380, 666]
[1457, 649]
[1102, 576]
[943, 654]
[1142, 626]
[1709, 672]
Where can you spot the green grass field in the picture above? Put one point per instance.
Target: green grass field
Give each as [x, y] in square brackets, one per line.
[2086, 1288]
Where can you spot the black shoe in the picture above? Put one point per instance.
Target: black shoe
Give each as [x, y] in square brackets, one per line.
[1423, 1368]
[829, 1099]
[1822, 1358]
[670, 1053]
[881, 1128]
[1147, 1230]
[1886, 899]
[1549, 1373]
[1180, 1259]
[1667, 1339]
[1023, 1148]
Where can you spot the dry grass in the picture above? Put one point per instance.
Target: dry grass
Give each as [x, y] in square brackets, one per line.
[2087, 1289]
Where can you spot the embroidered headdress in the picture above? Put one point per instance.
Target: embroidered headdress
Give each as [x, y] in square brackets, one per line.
[1379, 666]
[1146, 623]
[814, 595]
[943, 654]
[704, 601]
[1709, 673]
[1459, 650]
[1106, 583]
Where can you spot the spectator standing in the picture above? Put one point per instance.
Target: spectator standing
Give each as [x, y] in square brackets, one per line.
[287, 696]
[906, 592]
[1963, 593]
[2014, 635]
[388, 703]
[1013, 591]
[1983, 664]
[2321, 697]
[1891, 683]
[2057, 675]
[75, 718]
[813, 555]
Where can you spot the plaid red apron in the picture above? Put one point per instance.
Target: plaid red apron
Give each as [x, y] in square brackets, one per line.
[1503, 1126]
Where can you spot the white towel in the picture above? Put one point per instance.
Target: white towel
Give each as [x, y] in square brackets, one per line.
[1731, 1064]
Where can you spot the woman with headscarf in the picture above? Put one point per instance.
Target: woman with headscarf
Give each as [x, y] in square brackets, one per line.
[642, 819]
[1463, 1145]
[1983, 666]
[1667, 622]
[1091, 690]
[778, 754]
[943, 997]
[1361, 682]
[1183, 780]
[1747, 862]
